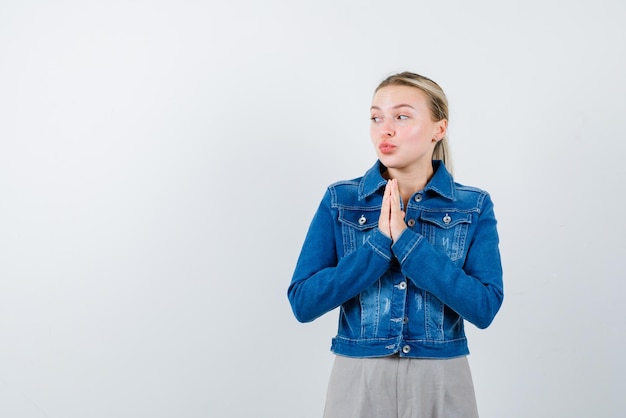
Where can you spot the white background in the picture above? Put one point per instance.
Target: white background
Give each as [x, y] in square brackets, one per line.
[160, 162]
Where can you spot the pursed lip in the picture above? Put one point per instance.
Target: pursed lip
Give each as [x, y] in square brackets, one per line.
[386, 147]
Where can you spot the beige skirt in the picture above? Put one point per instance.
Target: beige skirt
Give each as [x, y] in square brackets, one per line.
[395, 387]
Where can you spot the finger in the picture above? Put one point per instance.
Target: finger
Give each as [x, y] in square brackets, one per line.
[387, 200]
[395, 196]
[396, 221]
[388, 194]
[385, 212]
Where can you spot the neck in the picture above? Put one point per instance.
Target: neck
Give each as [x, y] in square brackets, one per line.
[411, 181]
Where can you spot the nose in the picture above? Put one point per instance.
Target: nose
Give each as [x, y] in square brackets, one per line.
[387, 129]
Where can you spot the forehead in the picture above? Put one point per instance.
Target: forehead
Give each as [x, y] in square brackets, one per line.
[390, 96]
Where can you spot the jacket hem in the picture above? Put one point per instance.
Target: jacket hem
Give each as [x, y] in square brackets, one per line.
[404, 348]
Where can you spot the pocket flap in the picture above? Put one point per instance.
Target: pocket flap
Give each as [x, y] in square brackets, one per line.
[360, 219]
[446, 220]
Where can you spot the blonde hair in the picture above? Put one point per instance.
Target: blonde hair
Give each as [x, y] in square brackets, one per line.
[438, 103]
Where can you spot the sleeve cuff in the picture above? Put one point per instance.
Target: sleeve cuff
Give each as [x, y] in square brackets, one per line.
[405, 245]
[381, 244]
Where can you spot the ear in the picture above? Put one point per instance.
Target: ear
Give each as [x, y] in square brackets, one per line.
[440, 130]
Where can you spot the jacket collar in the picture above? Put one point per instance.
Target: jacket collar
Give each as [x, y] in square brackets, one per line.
[441, 183]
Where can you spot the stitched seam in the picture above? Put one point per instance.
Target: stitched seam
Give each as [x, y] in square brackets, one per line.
[378, 251]
[417, 241]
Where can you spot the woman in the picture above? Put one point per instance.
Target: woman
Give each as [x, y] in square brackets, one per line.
[408, 255]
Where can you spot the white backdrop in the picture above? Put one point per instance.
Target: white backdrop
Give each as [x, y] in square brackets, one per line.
[160, 162]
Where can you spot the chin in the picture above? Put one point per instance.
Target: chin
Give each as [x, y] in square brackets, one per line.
[389, 161]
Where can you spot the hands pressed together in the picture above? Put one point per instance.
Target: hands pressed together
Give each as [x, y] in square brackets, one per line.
[391, 222]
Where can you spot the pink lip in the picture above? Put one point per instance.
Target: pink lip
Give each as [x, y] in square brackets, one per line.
[386, 148]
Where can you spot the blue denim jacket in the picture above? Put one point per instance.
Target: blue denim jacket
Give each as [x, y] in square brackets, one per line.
[411, 297]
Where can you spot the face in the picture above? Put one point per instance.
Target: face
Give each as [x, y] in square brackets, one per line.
[402, 130]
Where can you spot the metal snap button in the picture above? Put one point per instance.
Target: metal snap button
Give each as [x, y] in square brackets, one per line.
[418, 197]
[362, 220]
[402, 285]
[410, 222]
[406, 349]
[447, 219]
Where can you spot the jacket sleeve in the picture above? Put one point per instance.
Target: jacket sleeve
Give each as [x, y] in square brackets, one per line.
[322, 279]
[474, 291]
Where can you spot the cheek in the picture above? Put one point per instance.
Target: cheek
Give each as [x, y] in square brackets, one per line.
[373, 133]
[416, 135]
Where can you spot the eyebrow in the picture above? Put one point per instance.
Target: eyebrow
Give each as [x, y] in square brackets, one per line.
[395, 107]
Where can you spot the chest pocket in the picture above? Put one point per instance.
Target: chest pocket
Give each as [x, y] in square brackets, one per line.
[357, 225]
[447, 231]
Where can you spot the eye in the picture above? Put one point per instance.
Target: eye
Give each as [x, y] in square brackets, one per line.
[402, 117]
[376, 119]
